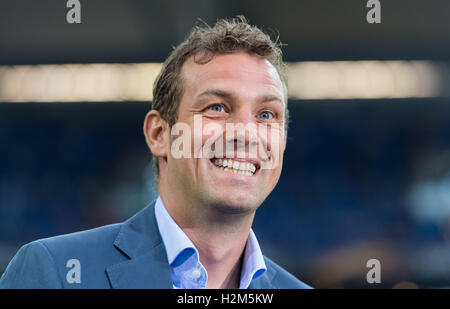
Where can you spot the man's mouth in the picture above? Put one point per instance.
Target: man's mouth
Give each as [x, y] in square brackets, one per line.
[237, 167]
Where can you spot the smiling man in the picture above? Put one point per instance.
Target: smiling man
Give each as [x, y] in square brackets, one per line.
[217, 132]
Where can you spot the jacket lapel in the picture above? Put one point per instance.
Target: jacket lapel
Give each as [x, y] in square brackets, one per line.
[147, 266]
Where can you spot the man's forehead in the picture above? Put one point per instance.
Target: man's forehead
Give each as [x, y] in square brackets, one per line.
[239, 66]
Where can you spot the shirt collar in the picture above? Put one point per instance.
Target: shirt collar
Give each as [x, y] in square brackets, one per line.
[253, 265]
[173, 237]
[176, 242]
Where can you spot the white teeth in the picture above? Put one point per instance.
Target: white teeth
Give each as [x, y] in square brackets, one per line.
[237, 167]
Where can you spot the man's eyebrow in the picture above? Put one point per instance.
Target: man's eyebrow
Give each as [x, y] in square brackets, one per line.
[218, 93]
[229, 96]
[270, 98]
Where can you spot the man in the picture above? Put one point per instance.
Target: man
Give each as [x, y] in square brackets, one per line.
[211, 178]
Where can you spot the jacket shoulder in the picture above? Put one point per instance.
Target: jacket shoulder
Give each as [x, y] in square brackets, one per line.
[31, 267]
[282, 279]
[44, 263]
[87, 240]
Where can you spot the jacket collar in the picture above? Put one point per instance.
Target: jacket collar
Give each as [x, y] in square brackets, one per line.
[147, 266]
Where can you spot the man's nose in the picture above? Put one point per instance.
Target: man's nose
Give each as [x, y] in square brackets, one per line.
[245, 126]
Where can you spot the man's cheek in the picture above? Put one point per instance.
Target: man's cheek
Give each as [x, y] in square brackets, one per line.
[273, 153]
[212, 140]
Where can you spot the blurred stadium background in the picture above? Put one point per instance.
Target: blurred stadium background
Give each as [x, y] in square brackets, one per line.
[367, 167]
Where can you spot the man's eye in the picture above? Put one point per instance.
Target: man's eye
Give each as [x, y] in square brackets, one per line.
[217, 108]
[266, 115]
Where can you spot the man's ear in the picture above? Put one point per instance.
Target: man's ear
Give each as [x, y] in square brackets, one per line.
[156, 134]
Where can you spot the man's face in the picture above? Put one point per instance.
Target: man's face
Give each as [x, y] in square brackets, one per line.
[230, 89]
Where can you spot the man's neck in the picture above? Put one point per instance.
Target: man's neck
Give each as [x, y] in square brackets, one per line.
[219, 238]
[221, 255]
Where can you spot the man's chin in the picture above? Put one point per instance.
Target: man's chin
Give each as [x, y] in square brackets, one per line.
[235, 204]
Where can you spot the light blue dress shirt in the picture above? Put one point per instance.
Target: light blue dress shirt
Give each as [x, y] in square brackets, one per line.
[185, 268]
